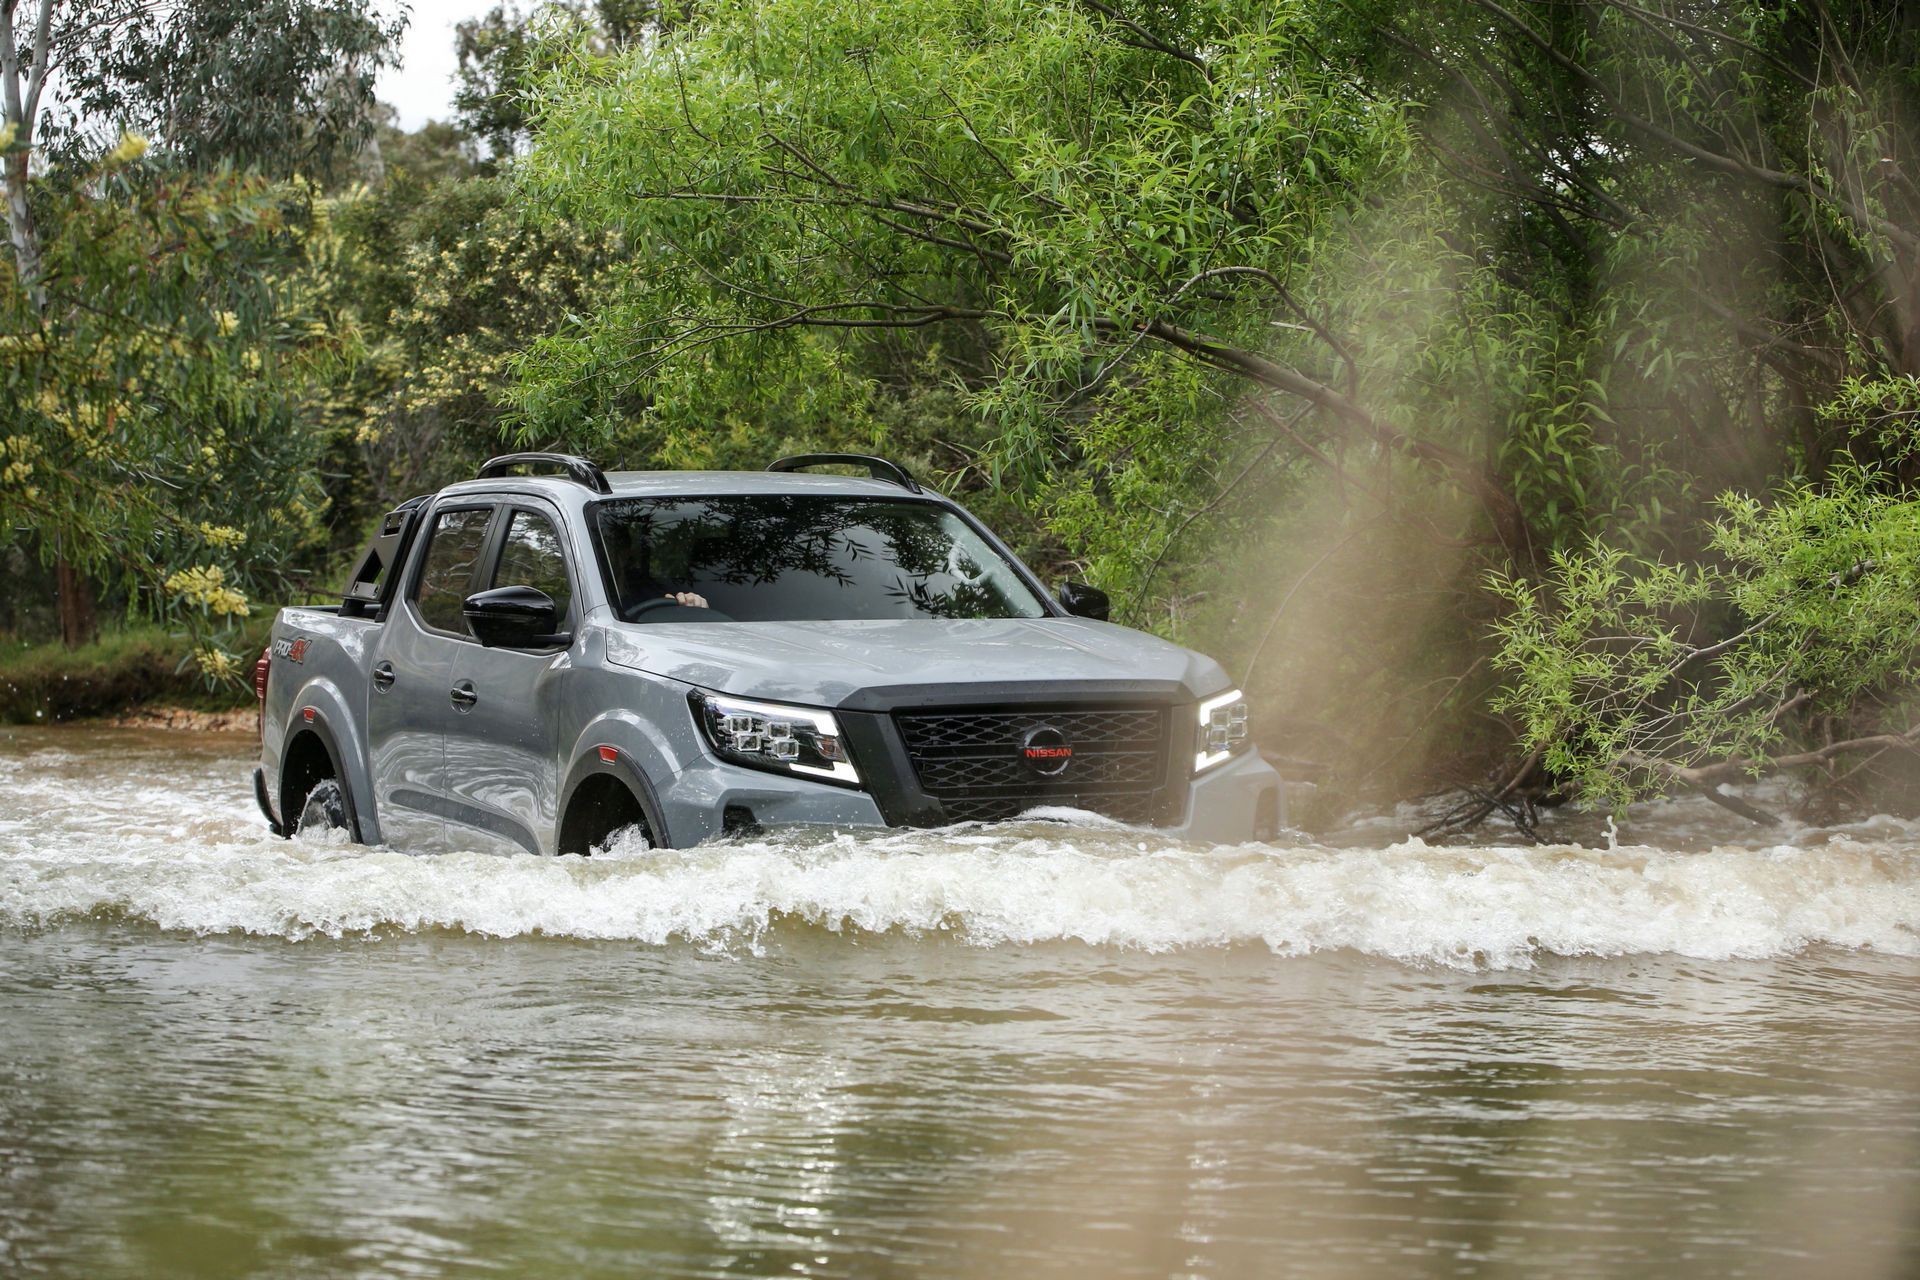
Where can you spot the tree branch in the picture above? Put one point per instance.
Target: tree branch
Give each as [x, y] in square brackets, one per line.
[1148, 41]
[1703, 775]
[37, 76]
[1708, 778]
[1716, 160]
[1745, 808]
[1508, 521]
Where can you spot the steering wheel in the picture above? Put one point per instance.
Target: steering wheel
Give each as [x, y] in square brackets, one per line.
[639, 610]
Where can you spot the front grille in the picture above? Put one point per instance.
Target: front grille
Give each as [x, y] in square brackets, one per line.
[973, 762]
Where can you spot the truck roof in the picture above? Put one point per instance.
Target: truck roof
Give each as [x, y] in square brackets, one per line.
[643, 484]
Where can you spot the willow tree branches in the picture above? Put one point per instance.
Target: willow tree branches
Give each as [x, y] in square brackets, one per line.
[1078, 197]
[1818, 613]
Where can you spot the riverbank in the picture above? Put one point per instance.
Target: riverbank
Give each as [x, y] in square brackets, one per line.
[137, 677]
[186, 719]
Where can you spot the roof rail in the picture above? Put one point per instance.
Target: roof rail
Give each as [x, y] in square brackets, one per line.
[878, 468]
[581, 470]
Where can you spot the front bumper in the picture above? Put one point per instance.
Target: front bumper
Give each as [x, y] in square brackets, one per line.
[1240, 800]
[1235, 802]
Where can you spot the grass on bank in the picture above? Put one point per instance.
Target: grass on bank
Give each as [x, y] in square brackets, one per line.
[122, 669]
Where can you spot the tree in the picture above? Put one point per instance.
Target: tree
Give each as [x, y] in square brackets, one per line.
[1722, 194]
[831, 165]
[23, 80]
[285, 87]
[1800, 649]
[279, 86]
[1232, 284]
[445, 283]
[498, 59]
[152, 425]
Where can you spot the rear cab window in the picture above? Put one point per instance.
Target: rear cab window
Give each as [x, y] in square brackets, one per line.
[454, 548]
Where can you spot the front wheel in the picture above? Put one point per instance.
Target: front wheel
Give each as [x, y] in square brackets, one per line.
[632, 838]
[325, 809]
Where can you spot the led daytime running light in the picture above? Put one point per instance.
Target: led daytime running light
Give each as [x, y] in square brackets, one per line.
[1223, 729]
[775, 736]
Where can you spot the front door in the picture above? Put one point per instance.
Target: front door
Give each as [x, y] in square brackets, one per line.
[409, 705]
[503, 751]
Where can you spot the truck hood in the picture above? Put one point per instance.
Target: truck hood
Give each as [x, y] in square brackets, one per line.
[827, 664]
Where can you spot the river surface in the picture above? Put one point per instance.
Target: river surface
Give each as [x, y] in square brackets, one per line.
[1030, 1050]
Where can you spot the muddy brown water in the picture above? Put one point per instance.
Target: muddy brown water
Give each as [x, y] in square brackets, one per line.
[1029, 1050]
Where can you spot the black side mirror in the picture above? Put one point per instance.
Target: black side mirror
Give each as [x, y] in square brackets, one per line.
[1083, 601]
[514, 618]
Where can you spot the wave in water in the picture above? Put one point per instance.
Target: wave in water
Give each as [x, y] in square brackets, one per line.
[1495, 907]
[170, 842]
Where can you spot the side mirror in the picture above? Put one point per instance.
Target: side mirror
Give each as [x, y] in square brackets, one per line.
[514, 618]
[1083, 601]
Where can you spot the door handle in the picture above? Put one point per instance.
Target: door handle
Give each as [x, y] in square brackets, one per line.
[463, 695]
[383, 676]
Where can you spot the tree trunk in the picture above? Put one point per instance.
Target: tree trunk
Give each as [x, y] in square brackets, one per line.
[20, 228]
[22, 104]
[376, 160]
[76, 605]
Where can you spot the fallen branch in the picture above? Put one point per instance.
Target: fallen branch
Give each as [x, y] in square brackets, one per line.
[1707, 778]
[1467, 816]
[1734, 804]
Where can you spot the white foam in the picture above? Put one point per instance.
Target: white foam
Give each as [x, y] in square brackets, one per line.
[1494, 907]
[75, 845]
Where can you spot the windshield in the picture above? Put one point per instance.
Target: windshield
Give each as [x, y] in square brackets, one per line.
[785, 558]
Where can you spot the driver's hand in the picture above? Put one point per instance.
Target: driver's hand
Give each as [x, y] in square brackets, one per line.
[692, 599]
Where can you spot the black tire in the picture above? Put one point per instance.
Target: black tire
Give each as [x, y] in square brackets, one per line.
[600, 811]
[325, 808]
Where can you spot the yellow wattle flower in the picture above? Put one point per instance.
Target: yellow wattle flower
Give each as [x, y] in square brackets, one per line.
[132, 147]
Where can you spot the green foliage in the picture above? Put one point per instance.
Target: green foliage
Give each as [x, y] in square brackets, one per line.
[442, 284]
[499, 59]
[152, 418]
[1627, 673]
[1286, 321]
[417, 162]
[281, 86]
[1884, 411]
[1199, 269]
[1155, 445]
[1028, 177]
[125, 667]
[495, 61]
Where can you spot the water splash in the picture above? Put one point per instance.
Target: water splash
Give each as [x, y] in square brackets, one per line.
[190, 855]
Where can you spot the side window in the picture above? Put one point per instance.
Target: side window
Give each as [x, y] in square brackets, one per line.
[531, 557]
[458, 538]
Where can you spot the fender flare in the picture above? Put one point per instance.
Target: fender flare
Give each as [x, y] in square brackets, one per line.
[335, 721]
[319, 727]
[626, 765]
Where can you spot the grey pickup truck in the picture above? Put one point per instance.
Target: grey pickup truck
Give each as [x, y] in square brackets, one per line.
[541, 662]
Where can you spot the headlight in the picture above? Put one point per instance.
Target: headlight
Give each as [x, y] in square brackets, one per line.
[1223, 729]
[770, 735]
